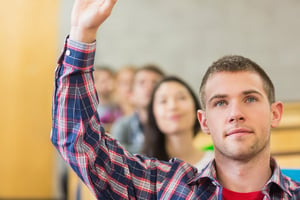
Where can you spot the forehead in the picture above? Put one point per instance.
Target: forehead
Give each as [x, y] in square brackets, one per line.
[171, 87]
[146, 75]
[125, 73]
[232, 83]
[126, 76]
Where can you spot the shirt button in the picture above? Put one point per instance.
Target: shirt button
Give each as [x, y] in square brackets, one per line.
[68, 52]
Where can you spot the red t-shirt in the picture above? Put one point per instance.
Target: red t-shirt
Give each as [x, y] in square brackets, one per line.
[231, 195]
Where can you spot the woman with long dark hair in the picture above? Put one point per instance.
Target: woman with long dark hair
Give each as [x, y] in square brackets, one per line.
[173, 124]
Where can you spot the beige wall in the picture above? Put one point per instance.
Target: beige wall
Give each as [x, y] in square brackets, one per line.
[28, 56]
[186, 36]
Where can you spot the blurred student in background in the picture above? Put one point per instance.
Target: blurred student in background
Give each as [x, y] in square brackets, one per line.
[173, 123]
[129, 130]
[123, 90]
[108, 110]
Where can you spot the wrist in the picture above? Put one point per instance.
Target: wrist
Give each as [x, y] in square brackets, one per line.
[83, 35]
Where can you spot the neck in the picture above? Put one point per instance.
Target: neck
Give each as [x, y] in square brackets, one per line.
[142, 113]
[244, 176]
[126, 108]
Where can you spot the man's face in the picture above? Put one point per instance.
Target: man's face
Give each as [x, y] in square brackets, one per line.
[238, 114]
[143, 84]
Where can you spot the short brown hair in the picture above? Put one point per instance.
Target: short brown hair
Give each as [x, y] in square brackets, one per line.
[152, 68]
[236, 63]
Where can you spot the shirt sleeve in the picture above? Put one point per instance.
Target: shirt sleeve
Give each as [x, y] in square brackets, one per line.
[106, 168]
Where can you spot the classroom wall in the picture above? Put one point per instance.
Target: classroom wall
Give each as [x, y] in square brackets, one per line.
[29, 33]
[185, 37]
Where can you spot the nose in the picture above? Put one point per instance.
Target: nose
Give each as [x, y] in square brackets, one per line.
[171, 103]
[236, 113]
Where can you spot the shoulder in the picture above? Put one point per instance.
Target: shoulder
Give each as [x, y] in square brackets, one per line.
[205, 159]
[293, 187]
[121, 125]
[286, 183]
[123, 120]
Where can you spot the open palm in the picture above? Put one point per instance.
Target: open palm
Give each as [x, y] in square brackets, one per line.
[90, 14]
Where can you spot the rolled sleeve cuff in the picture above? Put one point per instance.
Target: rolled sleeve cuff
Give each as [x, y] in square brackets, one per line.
[78, 55]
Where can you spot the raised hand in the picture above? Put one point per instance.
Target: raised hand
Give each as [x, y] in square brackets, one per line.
[87, 16]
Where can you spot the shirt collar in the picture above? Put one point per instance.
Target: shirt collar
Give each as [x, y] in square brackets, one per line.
[209, 172]
[277, 178]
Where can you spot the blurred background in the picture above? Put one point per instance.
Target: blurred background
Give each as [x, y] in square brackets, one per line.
[183, 37]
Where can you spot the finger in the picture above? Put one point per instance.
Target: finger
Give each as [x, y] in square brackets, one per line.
[107, 6]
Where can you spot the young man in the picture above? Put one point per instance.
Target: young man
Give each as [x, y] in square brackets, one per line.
[238, 111]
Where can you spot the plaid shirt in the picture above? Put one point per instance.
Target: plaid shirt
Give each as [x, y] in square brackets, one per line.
[109, 170]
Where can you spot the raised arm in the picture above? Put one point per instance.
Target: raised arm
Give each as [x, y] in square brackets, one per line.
[105, 167]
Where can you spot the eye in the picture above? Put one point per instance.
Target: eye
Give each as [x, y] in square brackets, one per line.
[220, 103]
[251, 99]
[161, 101]
[181, 97]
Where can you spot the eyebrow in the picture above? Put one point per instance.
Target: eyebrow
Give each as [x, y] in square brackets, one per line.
[217, 96]
[252, 92]
[221, 96]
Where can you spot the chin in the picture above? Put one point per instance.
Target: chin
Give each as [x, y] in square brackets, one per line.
[243, 156]
[171, 131]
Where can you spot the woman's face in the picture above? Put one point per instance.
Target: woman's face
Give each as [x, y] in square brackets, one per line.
[174, 108]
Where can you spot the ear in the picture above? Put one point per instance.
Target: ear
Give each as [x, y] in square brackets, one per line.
[277, 110]
[203, 122]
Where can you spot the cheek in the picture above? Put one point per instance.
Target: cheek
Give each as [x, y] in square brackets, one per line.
[260, 116]
[214, 122]
[137, 94]
[264, 123]
[190, 122]
[158, 112]
[191, 113]
[215, 128]
[142, 93]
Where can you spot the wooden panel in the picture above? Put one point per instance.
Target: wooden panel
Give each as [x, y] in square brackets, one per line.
[291, 115]
[28, 57]
[285, 140]
[288, 161]
[285, 145]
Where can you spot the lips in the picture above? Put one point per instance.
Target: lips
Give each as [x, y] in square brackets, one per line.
[174, 117]
[239, 131]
